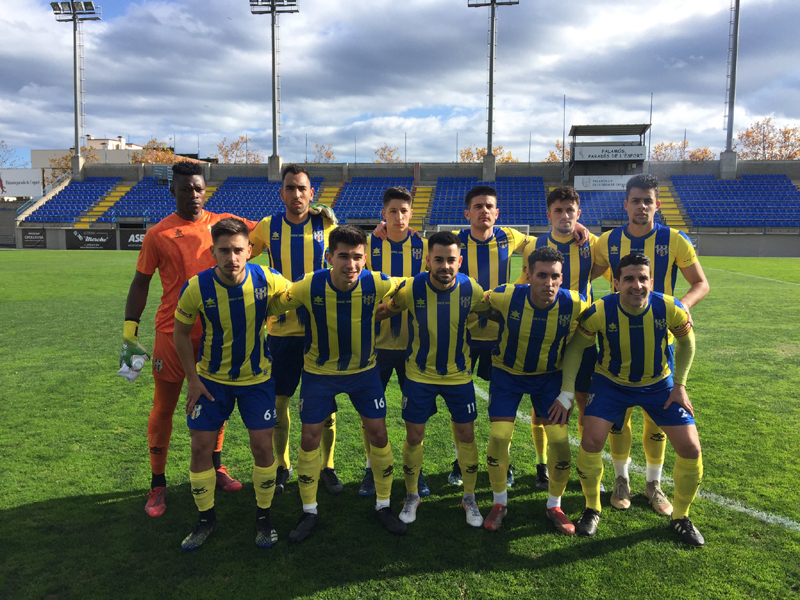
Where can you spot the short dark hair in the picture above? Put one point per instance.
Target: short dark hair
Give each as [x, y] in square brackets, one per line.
[294, 170]
[396, 193]
[566, 192]
[349, 235]
[443, 238]
[635, 259]
[643, 181]
[479, 190]
[229, 226]
[187, 168]
[544, 254]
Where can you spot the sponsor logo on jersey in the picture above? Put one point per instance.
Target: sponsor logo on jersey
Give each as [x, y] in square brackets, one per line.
[662, 249]
[184, 313]
[210, 303]
[420, 303]
[515, 315]
[614, 250]
[276, 235]
[376, 251]
[318, 301]
[178, 233]
[612, 327]
[319, 236]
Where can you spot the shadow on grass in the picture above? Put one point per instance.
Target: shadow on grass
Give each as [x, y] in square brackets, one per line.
[102, 545]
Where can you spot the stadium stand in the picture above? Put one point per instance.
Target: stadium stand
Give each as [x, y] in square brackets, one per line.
[362, 198]
[75, 199]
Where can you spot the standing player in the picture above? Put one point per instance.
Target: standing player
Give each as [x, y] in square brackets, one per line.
[179, 248]
[439, 303]
[537, 318]
[668, 250]
[635, 367]
[340, 359]
[295, 240]
[234, 367]
[401, 254]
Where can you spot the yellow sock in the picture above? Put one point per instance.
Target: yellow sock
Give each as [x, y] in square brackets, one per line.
[455, 436]
[654, 441]
[412, 462]
[539, 439]
[468, 461]
[590, 470]
[203, 485]
[497, 454]
[264, 484]
[365, 437]
[308, 475]
[383, 470]
[687, 475]
[280, 437]
[559, 460]
[328, 442]
[620, 441]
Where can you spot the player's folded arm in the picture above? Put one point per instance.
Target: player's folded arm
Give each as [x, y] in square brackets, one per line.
[287, 300]
[573, 356]
[684, 353]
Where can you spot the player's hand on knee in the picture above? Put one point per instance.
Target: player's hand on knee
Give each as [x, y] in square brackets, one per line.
[130, 345]
[194, 391]
[560, 410]
[680, 397]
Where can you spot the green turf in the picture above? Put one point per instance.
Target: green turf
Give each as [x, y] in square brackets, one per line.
[76, 471]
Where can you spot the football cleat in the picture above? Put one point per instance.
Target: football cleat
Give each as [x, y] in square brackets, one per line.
[156, 502]
[495, 517]
[542, 477]
[422, 486]
[474, 516]
[332, 482]
[266, 536]
[658, 500]
[282, 476]
[389, 522]
[510, 476]
[454, 478]
[305, 526]
[367, 488]
[621, 496]
[200, 534]
[225, 482]
[689, 534]
[561, 521]
[587, 524]
[410, 506]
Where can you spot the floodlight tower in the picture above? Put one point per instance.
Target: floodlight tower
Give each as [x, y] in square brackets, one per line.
[274, 8]
[728, 158]
[489, 164]
[77, 12]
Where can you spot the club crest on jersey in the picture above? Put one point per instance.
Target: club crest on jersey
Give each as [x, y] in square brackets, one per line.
[502, 245]
[466, 301]
[416, 253]
[369, 299]
[318, 301]
[563, 320]
[612, 327]
[662, 249]
[319, 236]
[585, 251]
[260, 293]
[661, 323]
[614, 250]
[158, 364]
[276, 235]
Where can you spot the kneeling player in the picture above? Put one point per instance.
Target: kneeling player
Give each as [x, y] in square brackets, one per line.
[633, 368]
[438, 364]
[537, 318]
[234, 366]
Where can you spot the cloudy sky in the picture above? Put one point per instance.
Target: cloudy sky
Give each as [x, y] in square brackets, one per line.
[387, 71]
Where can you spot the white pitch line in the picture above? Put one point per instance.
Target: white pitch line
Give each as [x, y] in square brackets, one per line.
[711, 497]
[753, 276]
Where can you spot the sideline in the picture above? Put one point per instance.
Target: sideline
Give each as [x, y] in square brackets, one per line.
[753, 276]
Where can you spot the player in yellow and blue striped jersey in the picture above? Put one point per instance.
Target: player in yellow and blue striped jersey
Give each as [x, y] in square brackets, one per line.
[339, 358]
[234, 367]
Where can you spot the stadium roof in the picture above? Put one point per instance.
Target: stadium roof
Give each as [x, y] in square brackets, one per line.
[607, 130]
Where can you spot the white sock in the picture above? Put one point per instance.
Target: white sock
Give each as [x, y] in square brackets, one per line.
[501, 498]
[653, 472]
[456, 448]
[369, 464]
[621, 467]
[379, 504]
[310, 508]
[553, 501]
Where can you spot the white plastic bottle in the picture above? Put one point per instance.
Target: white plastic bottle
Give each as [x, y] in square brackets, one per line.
[137, 362]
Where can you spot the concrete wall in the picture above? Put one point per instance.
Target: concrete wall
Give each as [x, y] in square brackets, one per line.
[747, 244]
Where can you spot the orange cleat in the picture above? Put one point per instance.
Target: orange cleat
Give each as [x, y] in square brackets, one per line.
[495, 517]
[156, 501]
[561, 521]
[225, 482]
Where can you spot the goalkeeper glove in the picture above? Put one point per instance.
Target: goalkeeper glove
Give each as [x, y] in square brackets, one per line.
[130, 344]
[326, 211]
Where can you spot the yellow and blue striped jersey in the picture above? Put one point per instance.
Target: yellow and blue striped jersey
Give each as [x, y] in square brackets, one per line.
[294, 250]
[233, 349]
[340, 332]
[438, 352]
[668, 250]
[634, 349]
[489, 263]
[396, 259]
[578, 261]
[532, 339]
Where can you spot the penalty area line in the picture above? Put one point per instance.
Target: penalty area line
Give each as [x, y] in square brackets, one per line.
[753, 276]
[709, 496]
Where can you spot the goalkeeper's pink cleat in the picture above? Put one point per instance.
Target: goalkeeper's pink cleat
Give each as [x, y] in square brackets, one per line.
[225, 482]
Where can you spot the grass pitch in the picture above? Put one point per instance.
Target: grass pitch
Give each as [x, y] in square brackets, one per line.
[73, 439]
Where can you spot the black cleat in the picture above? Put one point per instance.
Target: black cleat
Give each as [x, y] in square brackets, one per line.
[306, 525]
[542, 477]
[367, 488]
[587, 524]
[281, 477]
[454, 478]
[422, 486]
[689, 535]
[201, 533]
[331, 481]
[390, 523]
[266, 536]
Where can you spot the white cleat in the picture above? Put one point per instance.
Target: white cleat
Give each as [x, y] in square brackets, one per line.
[474, 516]
[410, 506]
